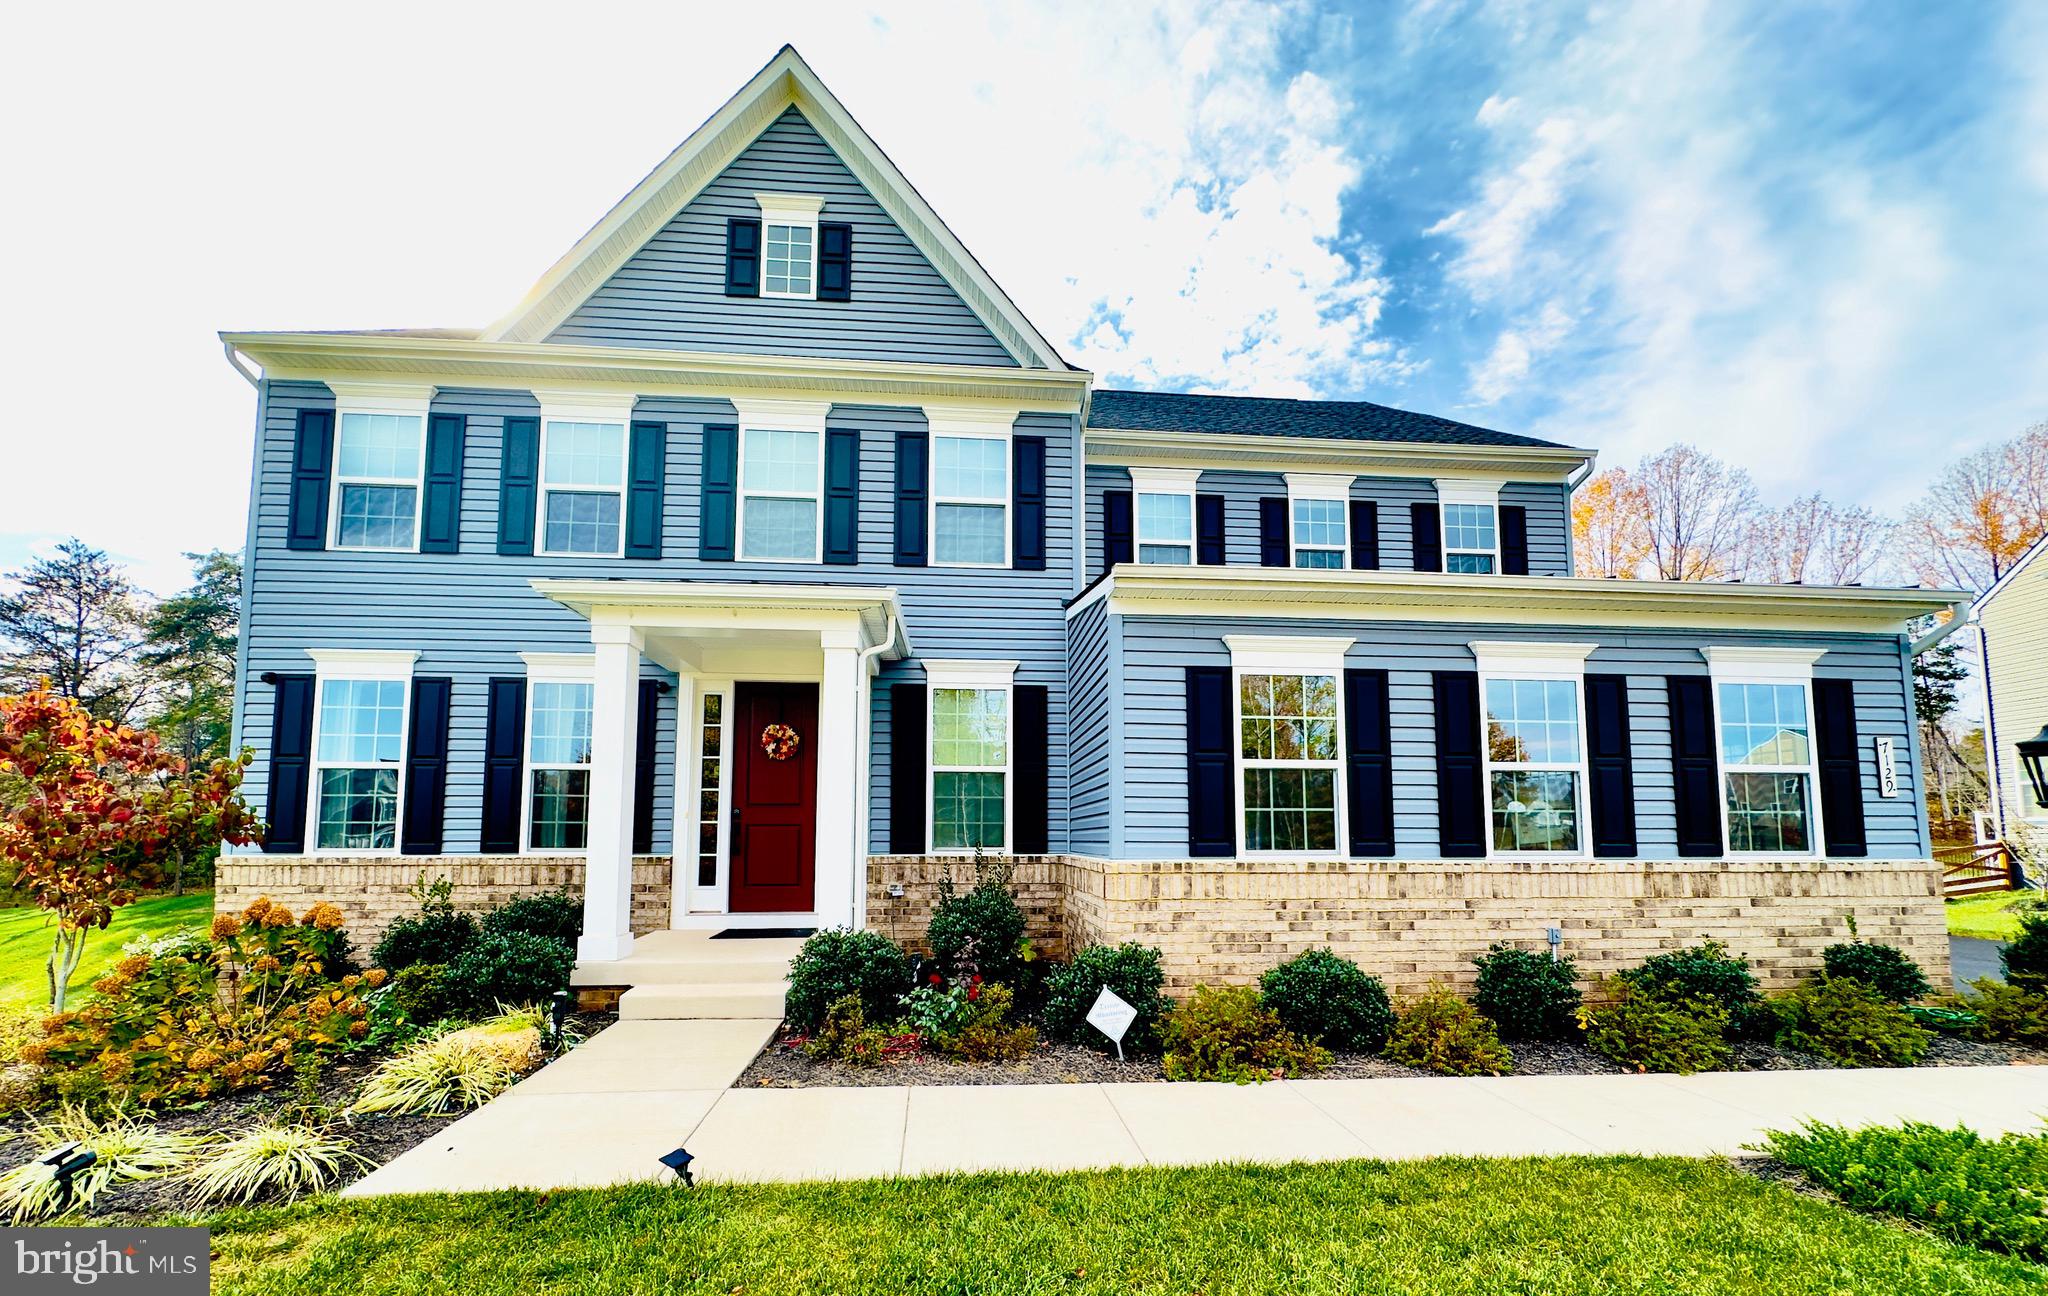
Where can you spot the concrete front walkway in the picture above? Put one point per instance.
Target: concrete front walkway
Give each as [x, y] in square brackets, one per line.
[603, 1114]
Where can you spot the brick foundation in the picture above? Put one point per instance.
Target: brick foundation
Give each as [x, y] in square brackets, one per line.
[373, 892]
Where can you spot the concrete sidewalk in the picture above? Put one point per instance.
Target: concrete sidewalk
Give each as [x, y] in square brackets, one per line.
[604, 1113]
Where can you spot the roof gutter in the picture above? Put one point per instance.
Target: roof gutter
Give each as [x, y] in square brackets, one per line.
[1959, 615]
[235, 359]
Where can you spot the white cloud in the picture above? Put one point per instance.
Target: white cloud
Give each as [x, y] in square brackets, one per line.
[1496, 231]
[1515, 351]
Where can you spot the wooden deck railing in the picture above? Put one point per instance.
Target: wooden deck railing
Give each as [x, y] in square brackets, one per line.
[1975, 870]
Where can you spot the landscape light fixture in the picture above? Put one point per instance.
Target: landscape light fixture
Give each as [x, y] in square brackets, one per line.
[558, 1016]
[2033, 752]
[67, 1161]
[679, 1161]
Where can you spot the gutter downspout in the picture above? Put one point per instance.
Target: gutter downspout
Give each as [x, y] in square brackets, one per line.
[1959, 615]
[235, 361]
[863, 812]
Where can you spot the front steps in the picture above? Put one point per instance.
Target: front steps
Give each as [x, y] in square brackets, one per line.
[685, 975]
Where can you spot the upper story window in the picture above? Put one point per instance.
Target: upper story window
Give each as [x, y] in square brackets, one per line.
[360, 712]
[558, 705]
[1318, 507]
[583, 474]
[1290, 742]
[1471, 525]
[970, 754]
[789, 244]
[1763, 714]
[380, 451]
[1165, 502]
[970, 487]
[1535, 752]
[779, 484]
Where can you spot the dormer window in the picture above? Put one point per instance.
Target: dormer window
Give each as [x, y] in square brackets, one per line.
[789, 244]
[1471, 524]
[1318, 505]
[1165, 500]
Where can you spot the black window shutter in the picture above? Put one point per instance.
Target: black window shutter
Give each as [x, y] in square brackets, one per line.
[718, 493]
[835, 261]
[1273, 533]
[1612, 794]
[646, 736]
[1212, 806]
[1027, 523]
[742, 257]
[518, 485]
[1514, 540]
[1695, 770]
[842, 496]
[646, 475]
[1032, 816]
[504, 765]
[1460, 774]
[906, 769]
[913, 457]
[1425, 524]
[1209, 534]
[1369, 758]
[1119, 530]
[1365, 535]
[426, 766]
[1839, 750]
[441, 507]
[312, 459]
[291, 757]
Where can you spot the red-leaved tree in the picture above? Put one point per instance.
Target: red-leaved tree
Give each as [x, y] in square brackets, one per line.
[91, 811]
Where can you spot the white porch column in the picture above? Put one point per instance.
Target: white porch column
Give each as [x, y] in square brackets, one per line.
[839, 855]
[614, 721]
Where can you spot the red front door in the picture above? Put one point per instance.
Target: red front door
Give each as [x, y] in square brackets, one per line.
[775, 801]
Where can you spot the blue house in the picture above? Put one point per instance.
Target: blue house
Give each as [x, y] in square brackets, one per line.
[765, 564]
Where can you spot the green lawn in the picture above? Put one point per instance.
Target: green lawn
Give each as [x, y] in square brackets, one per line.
[1607, 1225]
[1986, 916]
[25, 941]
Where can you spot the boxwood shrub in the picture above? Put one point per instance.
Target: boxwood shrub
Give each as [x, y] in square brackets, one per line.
[2026, 955]
[1528, 995]
[554, 914]
[979, 930]
[835, 963]
[1884, 968]
[511, 968]
[1329, 1000]
[1132, 972]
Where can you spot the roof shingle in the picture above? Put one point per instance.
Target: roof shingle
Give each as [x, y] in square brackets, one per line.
[1279, 416]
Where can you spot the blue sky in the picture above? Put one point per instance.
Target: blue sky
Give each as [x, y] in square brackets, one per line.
[1807, 237]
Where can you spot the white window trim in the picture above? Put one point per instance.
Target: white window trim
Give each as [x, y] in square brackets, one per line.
[990, 676]
[770, 415]
[800, 210]
[615, 409]
[378, 398]
[1162, 481]
[1302, 487]
[547, 668]
[1505, 660]
[969, 422]
[1286, 655]
[1468, 490]
[357, 664]
[1729, 665]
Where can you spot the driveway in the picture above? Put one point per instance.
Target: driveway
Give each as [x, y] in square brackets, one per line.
[1971, 957]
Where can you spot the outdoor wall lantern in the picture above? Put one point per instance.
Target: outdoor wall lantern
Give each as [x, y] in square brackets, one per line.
[2033, 753]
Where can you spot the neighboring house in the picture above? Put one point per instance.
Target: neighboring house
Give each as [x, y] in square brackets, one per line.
[2012, 637]
[765, 565]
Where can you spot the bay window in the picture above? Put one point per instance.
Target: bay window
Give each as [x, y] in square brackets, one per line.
[789, 244]
[558, 717]
[971, 742]
[1532, 700]
[1764, 723]
[1165, 503]
[1318, 516]
[1290, 768]
[360, 711]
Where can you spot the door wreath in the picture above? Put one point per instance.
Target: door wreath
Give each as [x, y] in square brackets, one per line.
[779, 741]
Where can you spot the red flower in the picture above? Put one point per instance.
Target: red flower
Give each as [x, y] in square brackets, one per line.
[973, 992]
[937, 979]
[976, 980]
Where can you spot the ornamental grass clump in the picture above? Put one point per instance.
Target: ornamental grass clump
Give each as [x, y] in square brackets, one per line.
[1438, 1031]
[1527, 995]
[128, 1149]
[1330, 1001]
[282, 1161]
[1224, 1033]
[1848, 1023]
[461, 1069]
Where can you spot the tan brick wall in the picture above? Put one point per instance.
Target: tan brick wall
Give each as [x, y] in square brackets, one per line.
[372, 892]
[1413, 921]
[1040, 881]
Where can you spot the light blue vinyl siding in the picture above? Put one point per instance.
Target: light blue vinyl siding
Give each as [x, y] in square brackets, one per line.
[1091, 809]
[1549, 527]
[671, 293]
[1156, 651]
[470, 615]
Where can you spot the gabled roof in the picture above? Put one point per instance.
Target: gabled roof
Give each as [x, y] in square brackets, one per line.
[787, 81]
[2012, 573]
[1279, 416]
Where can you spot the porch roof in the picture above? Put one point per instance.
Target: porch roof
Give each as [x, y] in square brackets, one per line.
[687, 605]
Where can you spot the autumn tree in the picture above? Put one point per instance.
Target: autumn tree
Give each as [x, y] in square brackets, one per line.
[189, 652]
[1610, 526]
[1815, 541]
[97, 810]
[1980, 514]
[74, 620]
[1698, 512]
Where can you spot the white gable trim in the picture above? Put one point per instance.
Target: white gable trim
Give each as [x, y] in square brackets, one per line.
[787, 81]
[2012, 573]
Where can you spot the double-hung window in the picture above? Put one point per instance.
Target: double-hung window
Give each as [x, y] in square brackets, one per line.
[782, 476]
[1165, 500]
[1532, 699]
[789, 244]
[558, 707]
[1471, 525]
[380, 452]
[583, 478]
[970, 487]
[971, 742]
[1764, 717]
[1290, 742]
[360, 713]
[1318, 515]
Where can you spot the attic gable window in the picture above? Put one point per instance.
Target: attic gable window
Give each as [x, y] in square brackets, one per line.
[789, 244]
